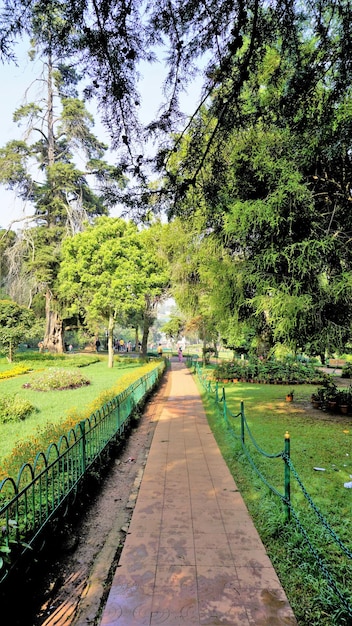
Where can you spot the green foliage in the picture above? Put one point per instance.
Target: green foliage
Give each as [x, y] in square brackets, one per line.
[313, 443]
[271, 195]
[100, 269]
[287, 371]
[174, 327]
[110, 273]
[347, 370]
[15, 323]
[14, 409]
[57, 379]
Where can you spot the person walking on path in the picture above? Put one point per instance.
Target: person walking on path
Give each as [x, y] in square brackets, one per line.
[192, 555]
[180, 355]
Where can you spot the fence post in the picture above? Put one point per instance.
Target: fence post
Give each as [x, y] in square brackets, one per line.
[287, 476]
[118, 422]
[242, 421]
[83, 446]
[224, 409]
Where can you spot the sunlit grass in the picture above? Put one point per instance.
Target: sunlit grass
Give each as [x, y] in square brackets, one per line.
[317, 440]
[53, 406]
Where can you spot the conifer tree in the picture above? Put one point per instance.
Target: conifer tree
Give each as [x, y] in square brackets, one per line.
[42, 168]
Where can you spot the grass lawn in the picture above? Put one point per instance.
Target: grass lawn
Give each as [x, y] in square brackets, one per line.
[53, 406]
[317, 440]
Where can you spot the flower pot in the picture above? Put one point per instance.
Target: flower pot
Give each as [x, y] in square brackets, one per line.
[315, 404]
[289, 397]
[344, 409]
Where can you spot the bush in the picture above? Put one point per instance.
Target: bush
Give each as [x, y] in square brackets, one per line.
[57, 379]
[14, 409]
[288, 371]
[347, 371]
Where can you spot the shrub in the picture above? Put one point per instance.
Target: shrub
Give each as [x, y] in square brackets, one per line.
[287, 371]
[347, 371]
[14, 409]
[57, 379]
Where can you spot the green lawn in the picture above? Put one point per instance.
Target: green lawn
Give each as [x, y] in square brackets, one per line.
[54, 405]
[317, 440]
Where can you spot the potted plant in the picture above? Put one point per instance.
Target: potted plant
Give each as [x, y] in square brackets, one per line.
[316, 404]
[343, 401]
[289, 396]
[347, 370]
[332, 397]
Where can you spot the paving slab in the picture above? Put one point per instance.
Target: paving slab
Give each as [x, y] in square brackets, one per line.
[192, 555]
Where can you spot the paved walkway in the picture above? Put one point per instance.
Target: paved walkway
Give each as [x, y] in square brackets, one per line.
[192, 555]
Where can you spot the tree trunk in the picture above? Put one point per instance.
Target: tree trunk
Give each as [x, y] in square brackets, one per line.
[204, 350]
[137, 339]
[10, 356]
[54, 332]
[147, 323]
[50, 118]
[111, 341]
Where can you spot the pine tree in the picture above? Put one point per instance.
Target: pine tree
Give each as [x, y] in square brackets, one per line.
[43, 169]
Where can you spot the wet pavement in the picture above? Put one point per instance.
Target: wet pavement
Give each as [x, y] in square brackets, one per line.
[192, 555]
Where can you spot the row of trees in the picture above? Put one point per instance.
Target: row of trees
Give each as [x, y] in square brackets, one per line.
[269, 209]
[257, 187]
[110, 273]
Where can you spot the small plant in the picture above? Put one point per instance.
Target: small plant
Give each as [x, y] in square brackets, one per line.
[57, 379]
[345, 397]
[14, 409]
[347, 371]
[328, 392]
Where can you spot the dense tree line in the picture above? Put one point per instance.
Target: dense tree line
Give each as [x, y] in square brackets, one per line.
[259, 179]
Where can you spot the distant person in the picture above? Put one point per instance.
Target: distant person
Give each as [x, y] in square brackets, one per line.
[180, 355]
[160, 350]
[97, 345]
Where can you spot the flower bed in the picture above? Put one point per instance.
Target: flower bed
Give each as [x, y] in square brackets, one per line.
[14, 371]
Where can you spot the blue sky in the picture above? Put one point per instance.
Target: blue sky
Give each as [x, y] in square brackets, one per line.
[16, 80]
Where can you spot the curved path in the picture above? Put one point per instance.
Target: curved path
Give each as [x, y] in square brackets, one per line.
[192, 555]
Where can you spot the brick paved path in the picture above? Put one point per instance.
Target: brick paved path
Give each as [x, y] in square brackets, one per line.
[192, 555]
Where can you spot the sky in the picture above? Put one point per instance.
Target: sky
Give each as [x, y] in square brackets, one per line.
[16, 81]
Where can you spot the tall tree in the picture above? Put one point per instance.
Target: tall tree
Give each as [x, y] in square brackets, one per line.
[110, 271]
[7, 240]
[157, 272]
[275, 194]
[58, 133]
[15, 324]
[229, 36]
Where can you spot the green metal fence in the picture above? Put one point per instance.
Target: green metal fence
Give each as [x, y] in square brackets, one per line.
[243, 434]
[41, 489]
